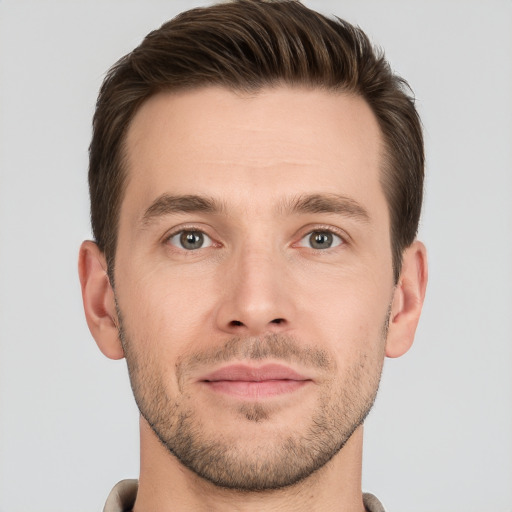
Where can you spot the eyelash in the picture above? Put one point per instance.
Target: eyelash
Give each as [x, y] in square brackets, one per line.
[189, 229]
[316, 229]
[342, 237]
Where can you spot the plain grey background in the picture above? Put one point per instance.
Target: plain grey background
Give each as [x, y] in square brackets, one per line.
[440, 436]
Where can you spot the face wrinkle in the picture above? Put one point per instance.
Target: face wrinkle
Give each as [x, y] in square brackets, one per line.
[343, 406]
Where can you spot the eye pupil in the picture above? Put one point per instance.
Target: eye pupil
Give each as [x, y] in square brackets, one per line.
[321, 240]
[192, 240]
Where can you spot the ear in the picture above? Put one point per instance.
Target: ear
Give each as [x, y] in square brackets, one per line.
[407, 300]
[98, 299]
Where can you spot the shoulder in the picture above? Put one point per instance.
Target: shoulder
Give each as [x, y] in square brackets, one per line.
[122, 496]
[372, 504]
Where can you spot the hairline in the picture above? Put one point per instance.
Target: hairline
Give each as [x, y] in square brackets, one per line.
[386, 157]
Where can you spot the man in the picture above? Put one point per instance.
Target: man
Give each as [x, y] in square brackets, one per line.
[256, 175]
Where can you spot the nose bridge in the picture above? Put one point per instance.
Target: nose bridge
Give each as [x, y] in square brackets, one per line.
[255, 299]
[257, 281]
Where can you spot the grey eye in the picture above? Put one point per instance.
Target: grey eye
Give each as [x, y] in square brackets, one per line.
[321, 240]
[190, 240]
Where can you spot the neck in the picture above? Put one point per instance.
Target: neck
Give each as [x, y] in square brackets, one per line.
[166, 485]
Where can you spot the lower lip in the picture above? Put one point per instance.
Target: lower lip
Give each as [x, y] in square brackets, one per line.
[255, 389]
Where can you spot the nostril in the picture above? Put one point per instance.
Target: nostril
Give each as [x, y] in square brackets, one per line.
[237, 323]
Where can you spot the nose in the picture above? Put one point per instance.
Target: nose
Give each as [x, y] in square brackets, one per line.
[256, 295]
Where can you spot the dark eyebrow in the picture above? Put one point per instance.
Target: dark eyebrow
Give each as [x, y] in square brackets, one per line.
[167, 204]
[326, 203]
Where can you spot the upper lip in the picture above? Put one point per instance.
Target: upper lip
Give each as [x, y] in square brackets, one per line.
[250, 373]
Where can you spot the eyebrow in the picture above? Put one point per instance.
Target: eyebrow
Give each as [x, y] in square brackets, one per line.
[326, 203]
[167, 204]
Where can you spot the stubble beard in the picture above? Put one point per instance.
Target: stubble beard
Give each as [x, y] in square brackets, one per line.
[237, 463]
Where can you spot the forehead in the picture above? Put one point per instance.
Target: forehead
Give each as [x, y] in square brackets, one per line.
[251, 148]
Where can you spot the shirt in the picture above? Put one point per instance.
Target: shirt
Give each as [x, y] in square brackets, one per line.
[122, 498]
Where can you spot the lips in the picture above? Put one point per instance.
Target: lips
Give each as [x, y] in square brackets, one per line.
[246, 381]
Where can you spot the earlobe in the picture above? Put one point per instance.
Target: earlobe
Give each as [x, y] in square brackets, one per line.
[98, 300]
[408, 300]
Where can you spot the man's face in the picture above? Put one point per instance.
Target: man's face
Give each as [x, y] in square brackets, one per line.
[253, 277]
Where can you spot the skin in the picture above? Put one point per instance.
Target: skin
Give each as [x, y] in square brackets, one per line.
[279, 165]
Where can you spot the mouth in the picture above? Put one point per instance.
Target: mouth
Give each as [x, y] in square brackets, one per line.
[254, 382]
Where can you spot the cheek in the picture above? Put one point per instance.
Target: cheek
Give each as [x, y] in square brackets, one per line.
[166, 313]
[350, 314]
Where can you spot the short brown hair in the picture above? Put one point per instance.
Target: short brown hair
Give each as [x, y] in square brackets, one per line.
[246, 45]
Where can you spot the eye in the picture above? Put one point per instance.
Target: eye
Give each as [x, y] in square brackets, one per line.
[191, 240]
[320, 239]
